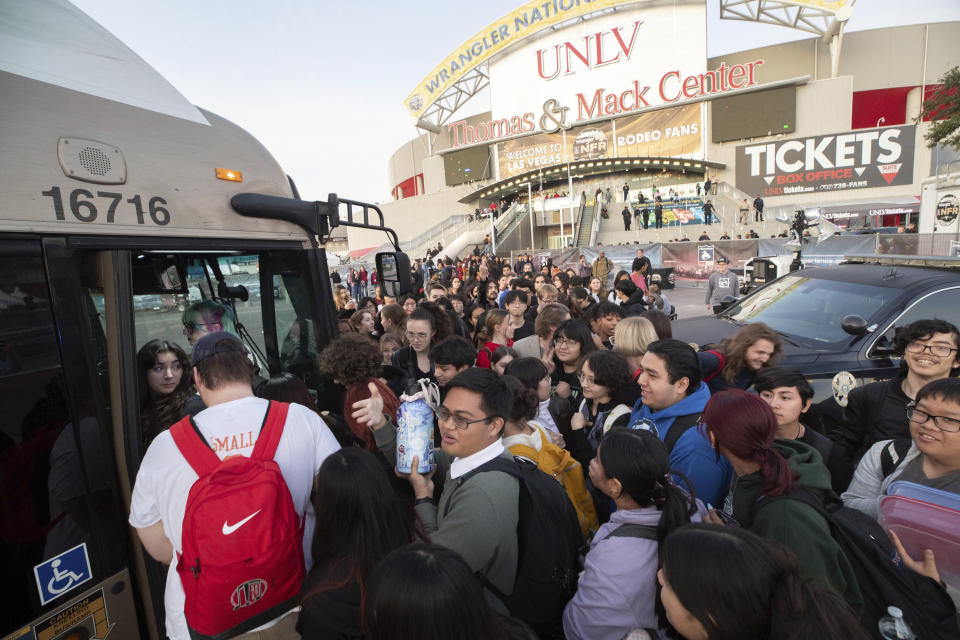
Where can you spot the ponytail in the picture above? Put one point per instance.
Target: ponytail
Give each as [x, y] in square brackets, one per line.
[641, 462]
[743, 425]
[491, 319]
[677, 507]
[777, 476]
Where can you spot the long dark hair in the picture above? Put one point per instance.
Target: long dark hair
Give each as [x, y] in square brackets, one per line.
[529, 371]
[359, 518]
[575, 330]
[160, 413]
[286, 387]
[745, 426]
[641, 462]
[739, 585]
[734, 348]
[438, 318]
[428, 592]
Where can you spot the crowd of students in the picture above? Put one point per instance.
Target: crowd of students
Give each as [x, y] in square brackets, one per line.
[665, 452]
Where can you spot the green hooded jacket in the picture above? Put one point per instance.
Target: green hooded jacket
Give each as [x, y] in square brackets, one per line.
[795, 524]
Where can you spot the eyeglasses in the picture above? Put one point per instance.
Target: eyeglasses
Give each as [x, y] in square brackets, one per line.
[445, 415]
[585, 379]
[939, 350]
[417, 336]
[564, 342]
[944, 423]
[190, 328]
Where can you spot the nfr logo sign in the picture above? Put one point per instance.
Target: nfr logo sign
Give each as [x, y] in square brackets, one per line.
[705, 255]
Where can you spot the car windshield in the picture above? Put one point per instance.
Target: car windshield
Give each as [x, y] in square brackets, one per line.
[811, 308]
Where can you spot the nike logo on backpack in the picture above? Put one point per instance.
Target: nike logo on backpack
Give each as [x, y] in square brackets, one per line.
[230, 528]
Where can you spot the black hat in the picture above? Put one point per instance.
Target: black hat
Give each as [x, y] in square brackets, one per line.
[216, 342]
[720, 260]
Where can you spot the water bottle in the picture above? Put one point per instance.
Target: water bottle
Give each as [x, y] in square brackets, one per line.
[415, 426]
[893, 626]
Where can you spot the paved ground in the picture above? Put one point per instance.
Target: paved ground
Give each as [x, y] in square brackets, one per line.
[688, 301]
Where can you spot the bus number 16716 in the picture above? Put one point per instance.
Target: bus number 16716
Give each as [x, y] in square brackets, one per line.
[84, 209]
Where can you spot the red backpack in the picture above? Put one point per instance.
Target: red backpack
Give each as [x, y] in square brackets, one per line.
[242, 560]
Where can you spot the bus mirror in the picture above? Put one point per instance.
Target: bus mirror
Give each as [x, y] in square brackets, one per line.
[158, 274]
[393, 274]
[235, 292]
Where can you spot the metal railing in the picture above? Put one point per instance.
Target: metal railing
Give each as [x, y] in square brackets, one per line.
[434, 231]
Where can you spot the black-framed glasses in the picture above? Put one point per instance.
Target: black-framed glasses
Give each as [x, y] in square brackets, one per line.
[444, 415]
[944, 423]
[939, 350]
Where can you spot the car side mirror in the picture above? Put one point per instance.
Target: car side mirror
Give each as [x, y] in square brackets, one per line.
[854, 324]
[393, 273]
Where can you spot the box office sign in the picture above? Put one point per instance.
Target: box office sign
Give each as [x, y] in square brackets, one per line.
[853, 160]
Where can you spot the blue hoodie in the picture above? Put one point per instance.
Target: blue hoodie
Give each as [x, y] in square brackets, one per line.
[692, 455]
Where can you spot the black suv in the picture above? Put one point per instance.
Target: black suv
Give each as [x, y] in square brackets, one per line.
[841, 318]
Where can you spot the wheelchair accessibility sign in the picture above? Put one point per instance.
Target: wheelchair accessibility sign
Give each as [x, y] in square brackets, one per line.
[62, 573]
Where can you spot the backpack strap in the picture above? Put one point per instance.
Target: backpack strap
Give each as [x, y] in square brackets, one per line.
[270, 432]
[893, 454]
[681, 424]
[615, 413]
[193, 447]
[723, 363]
[797, 493]
[645, 531]
[201, 457]
[497, 464]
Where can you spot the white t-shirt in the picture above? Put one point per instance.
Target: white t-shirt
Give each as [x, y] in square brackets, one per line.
[544, 418]
[165, 477]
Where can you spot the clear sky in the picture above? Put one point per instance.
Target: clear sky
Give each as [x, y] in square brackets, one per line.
[321, 84]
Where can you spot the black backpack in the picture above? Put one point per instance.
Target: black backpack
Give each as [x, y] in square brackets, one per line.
[881, 575]
[549, 540]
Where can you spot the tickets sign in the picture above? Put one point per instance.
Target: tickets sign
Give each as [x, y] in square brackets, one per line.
[859, 159]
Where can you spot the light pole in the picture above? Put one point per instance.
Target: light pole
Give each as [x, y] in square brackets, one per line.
[570, 195]
[530, 211]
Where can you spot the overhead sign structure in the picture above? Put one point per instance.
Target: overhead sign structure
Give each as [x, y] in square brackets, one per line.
[531, 18]
[859, 159]
[662, 133]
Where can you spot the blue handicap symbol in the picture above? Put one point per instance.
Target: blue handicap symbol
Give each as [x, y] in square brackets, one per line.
[62, 573]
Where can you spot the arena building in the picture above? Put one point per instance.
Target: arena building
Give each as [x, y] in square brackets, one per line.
[606, 95]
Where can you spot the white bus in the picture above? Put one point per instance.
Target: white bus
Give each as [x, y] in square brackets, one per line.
[121, 204]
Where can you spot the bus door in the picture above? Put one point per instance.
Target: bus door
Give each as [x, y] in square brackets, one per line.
[262, 293]
[62, 536]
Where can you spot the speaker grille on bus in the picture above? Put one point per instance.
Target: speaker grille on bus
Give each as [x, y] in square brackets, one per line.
[91, 161]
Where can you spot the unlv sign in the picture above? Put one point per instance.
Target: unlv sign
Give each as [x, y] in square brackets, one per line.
[596, 50]
[854, 160]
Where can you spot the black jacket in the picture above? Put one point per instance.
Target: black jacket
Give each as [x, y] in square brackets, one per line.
[874, 412]
[635, 304]
[330, 613]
